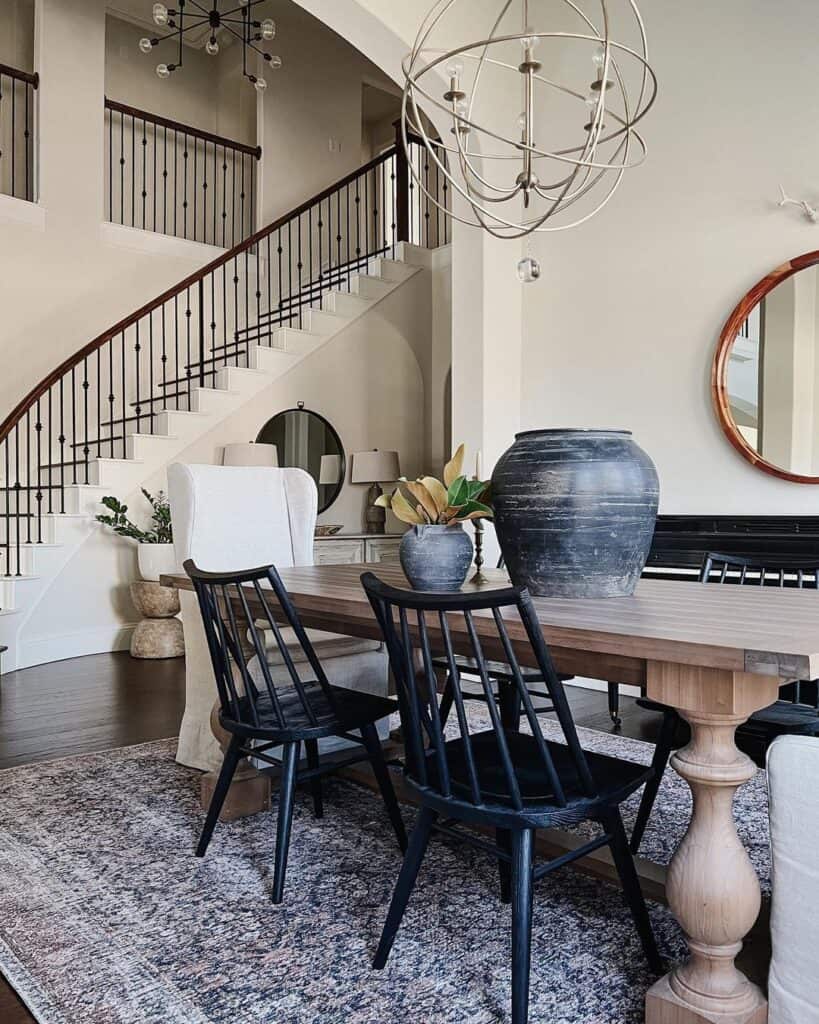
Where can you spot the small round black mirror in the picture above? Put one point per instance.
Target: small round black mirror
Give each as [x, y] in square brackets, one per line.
[305, 440]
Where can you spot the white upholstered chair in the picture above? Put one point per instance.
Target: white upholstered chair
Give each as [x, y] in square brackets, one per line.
[793, 783]
[230, 518]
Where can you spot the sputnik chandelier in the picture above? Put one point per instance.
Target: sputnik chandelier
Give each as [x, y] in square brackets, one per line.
[518, 157]
[192, 16]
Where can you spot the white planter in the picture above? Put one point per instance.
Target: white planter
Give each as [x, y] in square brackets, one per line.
[155, 560]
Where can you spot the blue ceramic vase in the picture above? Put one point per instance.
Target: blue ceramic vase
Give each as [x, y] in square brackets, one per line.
[436, 558]
[575, 511]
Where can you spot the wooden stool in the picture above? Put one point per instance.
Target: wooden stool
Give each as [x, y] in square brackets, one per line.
[159, 634]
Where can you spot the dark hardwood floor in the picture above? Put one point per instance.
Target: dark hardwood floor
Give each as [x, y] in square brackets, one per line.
[111, 700]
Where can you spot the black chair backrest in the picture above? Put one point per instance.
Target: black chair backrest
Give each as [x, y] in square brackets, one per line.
[760, 572]
[414, 625]
[235, 640]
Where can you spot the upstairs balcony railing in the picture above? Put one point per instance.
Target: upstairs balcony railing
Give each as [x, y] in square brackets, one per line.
[17, 119]
[165, 176]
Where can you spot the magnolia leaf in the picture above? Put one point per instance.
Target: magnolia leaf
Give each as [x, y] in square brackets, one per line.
[438, 492]
[477, 488]
[458, 493]
[404, 511]
[383, 501]
[452, 470]
[473, 510]
[425, 499]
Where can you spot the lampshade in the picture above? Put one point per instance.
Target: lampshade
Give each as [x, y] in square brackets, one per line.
[330, 471]
[248, 454]
[375, 467]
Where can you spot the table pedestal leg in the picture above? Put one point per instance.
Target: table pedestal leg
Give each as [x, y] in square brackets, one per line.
[711, 885]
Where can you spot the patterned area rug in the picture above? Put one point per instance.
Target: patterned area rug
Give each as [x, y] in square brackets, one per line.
[106, 917]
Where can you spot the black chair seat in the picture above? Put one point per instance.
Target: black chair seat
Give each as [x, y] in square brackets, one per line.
[615, 780]
[785, 717]
[352, 710]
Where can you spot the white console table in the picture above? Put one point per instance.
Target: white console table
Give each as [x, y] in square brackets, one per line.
[355, 548]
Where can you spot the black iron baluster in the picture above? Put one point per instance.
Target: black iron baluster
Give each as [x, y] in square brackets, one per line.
[99, 403]
[38, 426]
[164, 360]
[176, 378]
[154, 149]
[73, 424]
[28, 481]
[212, 276]
[269, 310]
[235, 310]
[185, 187]
[280, 250]
[195, 187]
[242, 197]
[188, 366]
[151, 396]
[290, 273]
[110, 344]
[18, 570]
[85, 386]
[124, 400]
[50, 435]
[224, 195]
[165, 181]
[13, 136]
[122, 168]
[175, 182]
[7, 509]
[144, 171]
[133, 171]
[61, 441]
[202, 332]
[111, 165]
[27, 137]
[138, 405]
[215, 190]
[299, 266]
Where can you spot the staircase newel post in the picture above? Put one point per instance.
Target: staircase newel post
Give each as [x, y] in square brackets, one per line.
[402, 188]
[202, 331]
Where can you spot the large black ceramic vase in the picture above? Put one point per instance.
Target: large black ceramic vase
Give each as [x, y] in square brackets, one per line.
[575, 511]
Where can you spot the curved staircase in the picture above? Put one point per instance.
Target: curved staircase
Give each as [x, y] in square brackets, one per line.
[127, 403]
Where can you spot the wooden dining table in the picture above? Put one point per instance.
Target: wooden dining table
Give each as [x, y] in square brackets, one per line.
[716, 654]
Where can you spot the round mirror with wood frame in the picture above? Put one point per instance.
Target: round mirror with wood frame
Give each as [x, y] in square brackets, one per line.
[765, 376]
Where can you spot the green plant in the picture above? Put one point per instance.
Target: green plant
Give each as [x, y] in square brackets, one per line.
[160, 532]
[432, 503]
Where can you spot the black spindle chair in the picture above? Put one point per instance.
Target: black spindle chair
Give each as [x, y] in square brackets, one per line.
[265, 707]
[795, 713]
[500, 777]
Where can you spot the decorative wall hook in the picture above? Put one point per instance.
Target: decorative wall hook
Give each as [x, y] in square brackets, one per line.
[809, 211]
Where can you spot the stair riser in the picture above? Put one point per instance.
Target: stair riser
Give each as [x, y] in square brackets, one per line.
[316, 321]
[370, 287]
[345, 304]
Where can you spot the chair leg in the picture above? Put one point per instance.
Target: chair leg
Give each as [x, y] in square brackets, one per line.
[405, 884]
[614, 704]
[229, 764]
[382, 775]
[503, 837]
[315, 782]
[287, 788]
[624, 862]
[662, 752]
[522, 883]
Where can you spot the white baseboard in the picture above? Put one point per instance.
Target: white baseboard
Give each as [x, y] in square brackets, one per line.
[600, 685]
[101, 640]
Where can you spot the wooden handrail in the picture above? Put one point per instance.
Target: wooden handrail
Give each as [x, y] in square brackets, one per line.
[32, 78]
[179, 126]
[40, 389]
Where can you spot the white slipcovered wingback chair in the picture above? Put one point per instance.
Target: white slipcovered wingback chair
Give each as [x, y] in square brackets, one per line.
[229, 518]
[793, 783]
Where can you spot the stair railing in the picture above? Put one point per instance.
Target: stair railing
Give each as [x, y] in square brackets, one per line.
[166, 176]
[134, 376]
[17, 108]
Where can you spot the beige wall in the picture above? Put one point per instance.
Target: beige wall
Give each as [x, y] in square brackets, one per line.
[17, 34]
[621, 329]
[315, 97]
[207, 93]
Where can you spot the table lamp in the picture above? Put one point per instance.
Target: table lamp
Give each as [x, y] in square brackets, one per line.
[375, 468]
[251, 454]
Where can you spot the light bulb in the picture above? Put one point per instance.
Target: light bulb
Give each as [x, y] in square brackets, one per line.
[268, 29]
[274, 60]
[592, 99]
[455, 68]
[523, 120]
[212, 47]
[260, 85]
[528, 270]
[146, 45]
[163, 71]
[599, 58]
[528, 41]
[160, 14]
[462, 107]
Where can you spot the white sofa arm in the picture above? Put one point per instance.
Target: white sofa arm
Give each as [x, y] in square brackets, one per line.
[793, 785]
